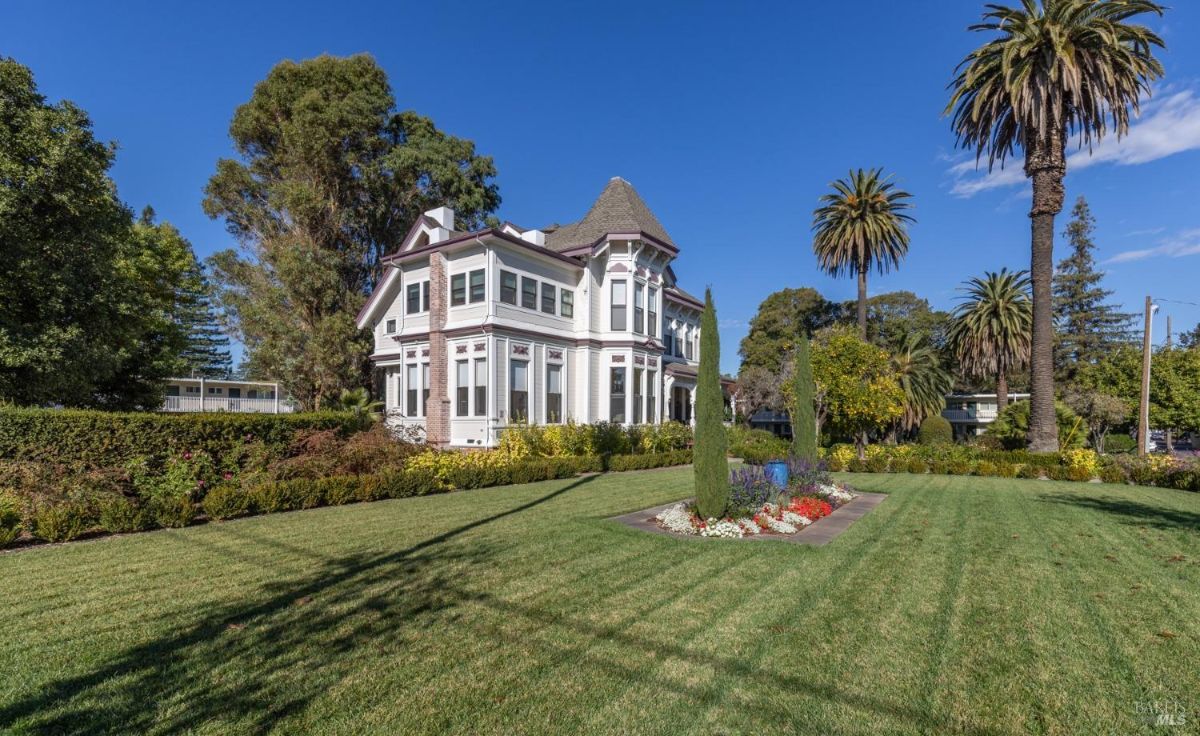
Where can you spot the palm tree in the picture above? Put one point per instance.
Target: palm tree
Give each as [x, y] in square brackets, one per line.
[860, 226]
[1058, 69]
[358, 401]
[923, 378]
[991, 329]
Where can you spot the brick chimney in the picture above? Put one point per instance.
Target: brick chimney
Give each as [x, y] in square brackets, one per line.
[437, 411]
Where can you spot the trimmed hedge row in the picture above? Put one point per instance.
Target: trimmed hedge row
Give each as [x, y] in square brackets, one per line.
[101, 438]
[621, 463]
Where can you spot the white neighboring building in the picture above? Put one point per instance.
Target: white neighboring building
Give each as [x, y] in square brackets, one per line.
[478, 330]
[970, 414]
[211, 394]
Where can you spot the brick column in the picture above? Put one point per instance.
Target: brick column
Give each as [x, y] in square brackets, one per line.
[437, 413]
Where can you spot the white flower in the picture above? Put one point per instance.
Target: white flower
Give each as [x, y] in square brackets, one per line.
[796, 520]
[779, 527]
[722, 528]
[748, 526]
[840, 495]
[676, 519]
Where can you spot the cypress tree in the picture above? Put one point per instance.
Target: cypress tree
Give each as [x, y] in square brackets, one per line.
[711, 464]
[1088, 327]
[804, 421]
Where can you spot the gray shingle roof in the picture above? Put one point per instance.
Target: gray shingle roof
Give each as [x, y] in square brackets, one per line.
[618, 209]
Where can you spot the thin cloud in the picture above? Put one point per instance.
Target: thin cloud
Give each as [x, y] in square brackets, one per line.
[1168, 126]
[1186, 243]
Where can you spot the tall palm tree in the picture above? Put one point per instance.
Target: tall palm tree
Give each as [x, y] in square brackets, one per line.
[860, 226]
[923, 378]
[991, 332]
[1058, 69]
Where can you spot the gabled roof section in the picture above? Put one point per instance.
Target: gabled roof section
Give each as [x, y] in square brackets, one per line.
[618, 209]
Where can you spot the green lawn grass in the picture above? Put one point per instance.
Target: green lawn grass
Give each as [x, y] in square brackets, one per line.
[964, 605]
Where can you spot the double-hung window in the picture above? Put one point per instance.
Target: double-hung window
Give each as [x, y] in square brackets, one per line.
[651, 380]
[481, 382]
[652, 312]
[678, 346]
[616, 400]
[528, 293]
[691, 352]
[411, 389]
[478, 289]
[668, 342]
[508, 287]
[413, 304]
[637, 395]
[462, 388]
[566, 303]
[424, 389]
[620, 300]
[424, 296]
[554, 394]
[548, 298]
[518, 397]
[639, 308]
[458, 289]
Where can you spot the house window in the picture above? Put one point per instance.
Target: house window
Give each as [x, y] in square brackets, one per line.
[458, 289]
[411, 393]
[678, 346]
[548, 298]
[424, 389]
[391, 326]
[566, 306]
[508, 287]
[619, 300]
[518, 400]
[528, 293]
[637, 395]
[215, 391]
[652, 304]
[651, 405]
[668, 342]
[192, 389]
[462, 388]
[616, 401]
[691, 352]
[424, 296]
[477, 286]
[481, 383]
[554, 394]
[414, 299]
[639, 308]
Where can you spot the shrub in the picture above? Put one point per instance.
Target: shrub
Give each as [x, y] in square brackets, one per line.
[1118, 444]
[226, 501]
[959, 467]
[986, 468]
[111, 439]
[916, 466]
[760, 454]
[121, 515]
[1030, 471]
[804, 425]
[173, 512]
[619, 463]
[935, 430]
[1006, 470]
[939, 467]
[1079, 474]
[1113, 474]
[857, 465]
[1011, 427]
[749, 490]
[1083, 463]
[877, 463]
[804, 473]
[1058, 472]
[61, 522]
[10, 518]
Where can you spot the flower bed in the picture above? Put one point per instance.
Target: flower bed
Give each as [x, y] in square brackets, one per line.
[758, 507]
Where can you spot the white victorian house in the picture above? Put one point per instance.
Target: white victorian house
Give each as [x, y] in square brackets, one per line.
[475, 331]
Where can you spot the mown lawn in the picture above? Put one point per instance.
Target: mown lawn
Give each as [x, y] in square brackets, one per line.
[965, 605]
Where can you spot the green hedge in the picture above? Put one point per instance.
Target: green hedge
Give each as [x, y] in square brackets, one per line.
[102, 438]
[621, 463]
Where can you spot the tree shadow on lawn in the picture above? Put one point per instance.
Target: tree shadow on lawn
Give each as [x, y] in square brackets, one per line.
[250, 663]
[1132, 512]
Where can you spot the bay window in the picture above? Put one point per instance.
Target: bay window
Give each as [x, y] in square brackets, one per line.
[518, 396]
[620, 299]
[566, 305]
[462, 388]
[528, 293]
[616, 401]
[638, 373]
[477, 286]
[554, 394]
[411, 387]
[652, 312]
[481, 382]
[548, 298]
[651, 406]
[458, 289]
[508, 287]
[639, 308]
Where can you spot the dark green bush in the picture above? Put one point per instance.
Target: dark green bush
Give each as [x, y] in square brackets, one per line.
[916, 466]
[760, 454]
[111, 439]
[935, 430]
[959, 467]
[226, 501]
[986, 468]
[877, 463]
[939, 467]
[172, 512]
[857, 465]
[620, 463]
[1119, 444]
[1006, 470]
[121, 515]
[61, 522]
[1079, 474]
[1030, 471]
[1113, 474]
[1058, 472]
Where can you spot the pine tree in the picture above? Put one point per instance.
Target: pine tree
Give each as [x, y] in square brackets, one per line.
[1088, 327]
[710, 462]
[804, 423]
[207, 351]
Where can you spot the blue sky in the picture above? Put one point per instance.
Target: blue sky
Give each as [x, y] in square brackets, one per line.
[729, 118]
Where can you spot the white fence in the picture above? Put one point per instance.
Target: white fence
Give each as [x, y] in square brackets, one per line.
[224, 403]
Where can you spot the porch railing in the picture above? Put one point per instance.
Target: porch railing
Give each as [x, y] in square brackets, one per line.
[225, 403]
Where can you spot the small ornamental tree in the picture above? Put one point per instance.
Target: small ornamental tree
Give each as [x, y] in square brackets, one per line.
[711, 444]
[857, 390]
[804, 421]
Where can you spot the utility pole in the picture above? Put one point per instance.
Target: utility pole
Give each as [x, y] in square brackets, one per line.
[1144, 408]
[1168, 330]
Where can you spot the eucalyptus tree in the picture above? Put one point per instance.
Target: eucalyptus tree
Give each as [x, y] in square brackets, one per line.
[860, 226]
[991, 332]
[1056, 70]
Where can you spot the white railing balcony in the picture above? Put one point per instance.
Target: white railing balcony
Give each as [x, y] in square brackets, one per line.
[969, 415]
[225, 403]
